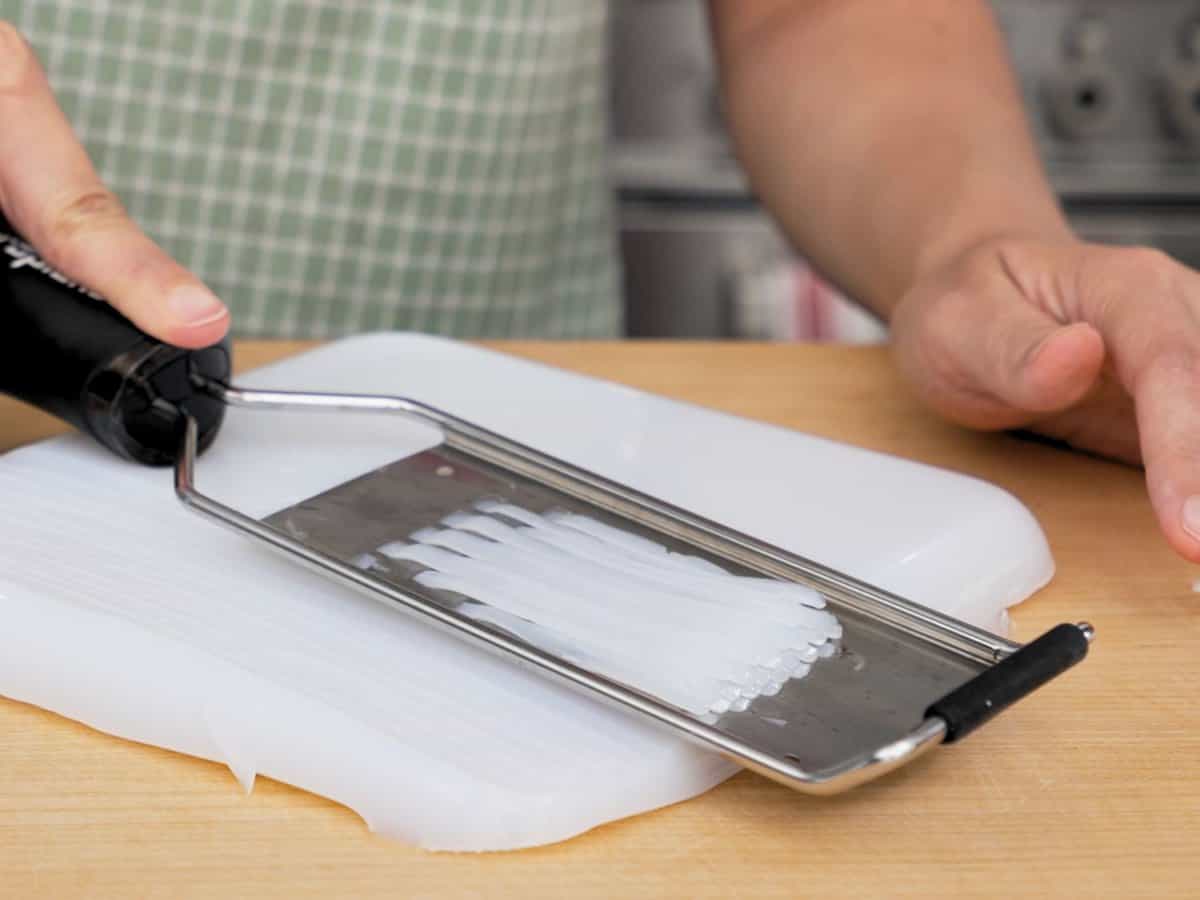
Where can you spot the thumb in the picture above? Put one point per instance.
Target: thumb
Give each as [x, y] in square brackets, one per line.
[987, 358]
[53, 196]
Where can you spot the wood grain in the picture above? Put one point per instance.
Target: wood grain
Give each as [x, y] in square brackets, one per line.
[1090, 789]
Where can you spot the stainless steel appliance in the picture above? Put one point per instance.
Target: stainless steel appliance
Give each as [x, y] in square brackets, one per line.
[1113, 93]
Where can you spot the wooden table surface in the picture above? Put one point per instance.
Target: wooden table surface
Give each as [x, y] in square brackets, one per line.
[1091, 788]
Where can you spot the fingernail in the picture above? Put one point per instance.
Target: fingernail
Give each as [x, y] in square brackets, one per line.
[195, 305]
[1191, 516]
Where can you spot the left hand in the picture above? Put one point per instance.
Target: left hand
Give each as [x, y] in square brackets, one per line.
[1095, 346]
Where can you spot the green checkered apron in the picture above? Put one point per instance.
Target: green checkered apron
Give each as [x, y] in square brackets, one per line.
[336, 166]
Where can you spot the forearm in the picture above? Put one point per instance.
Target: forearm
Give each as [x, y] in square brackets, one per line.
[884, 135]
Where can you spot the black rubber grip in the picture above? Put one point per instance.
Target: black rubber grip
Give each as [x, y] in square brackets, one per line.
[68, 352]
[965, 709]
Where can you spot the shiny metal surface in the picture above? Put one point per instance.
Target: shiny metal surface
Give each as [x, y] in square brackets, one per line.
[886, 683]
[857, 715]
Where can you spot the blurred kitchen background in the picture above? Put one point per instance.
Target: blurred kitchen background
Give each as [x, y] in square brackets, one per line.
[1113, 91]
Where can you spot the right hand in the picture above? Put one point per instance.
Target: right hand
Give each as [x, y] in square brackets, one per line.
[51, 193]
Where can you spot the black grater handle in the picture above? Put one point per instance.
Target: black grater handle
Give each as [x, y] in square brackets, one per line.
[71, 354]
[995, 689]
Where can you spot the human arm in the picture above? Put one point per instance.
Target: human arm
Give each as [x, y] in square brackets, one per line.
[888, 139]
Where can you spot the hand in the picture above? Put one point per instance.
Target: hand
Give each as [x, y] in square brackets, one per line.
[1092, 345]
[50, 192]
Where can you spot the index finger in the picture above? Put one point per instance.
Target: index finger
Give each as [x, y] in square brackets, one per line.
[1147, 306]
[1168, 415]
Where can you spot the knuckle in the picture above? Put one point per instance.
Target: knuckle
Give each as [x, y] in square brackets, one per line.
[91, 210]
[16, 58]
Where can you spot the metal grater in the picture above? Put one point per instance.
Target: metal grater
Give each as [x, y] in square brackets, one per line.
[906, 678]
